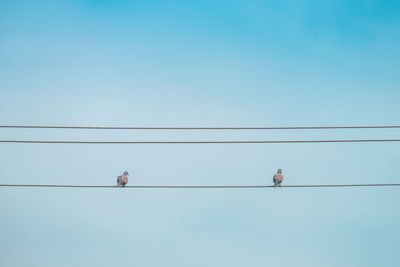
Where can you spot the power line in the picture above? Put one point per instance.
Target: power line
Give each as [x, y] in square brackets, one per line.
[198, 186]
[198, 128]
[200, 142]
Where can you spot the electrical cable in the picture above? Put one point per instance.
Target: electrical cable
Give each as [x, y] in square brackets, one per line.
[200, 142]
[198, 186]
[199, 128]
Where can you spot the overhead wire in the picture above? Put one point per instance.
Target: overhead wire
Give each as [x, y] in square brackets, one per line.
[199, 128]
[198, 186]
[200, 142]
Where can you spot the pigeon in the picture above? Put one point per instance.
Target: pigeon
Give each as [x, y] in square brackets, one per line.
[278, 178]
[122, 180]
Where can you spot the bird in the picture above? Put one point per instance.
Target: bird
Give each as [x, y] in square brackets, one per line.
[278, 178]
[122, 180]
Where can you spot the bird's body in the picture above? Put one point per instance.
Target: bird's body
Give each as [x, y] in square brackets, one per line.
[122, 180]
[278, 178]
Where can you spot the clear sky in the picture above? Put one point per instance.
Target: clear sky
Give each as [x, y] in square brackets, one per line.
[199, 63]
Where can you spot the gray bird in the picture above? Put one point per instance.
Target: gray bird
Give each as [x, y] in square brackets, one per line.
[122, 180]
[278, 178]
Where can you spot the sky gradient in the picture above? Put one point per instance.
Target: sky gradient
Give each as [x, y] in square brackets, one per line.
[199, 63]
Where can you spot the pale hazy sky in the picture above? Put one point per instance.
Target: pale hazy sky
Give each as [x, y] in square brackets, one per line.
[199, 63]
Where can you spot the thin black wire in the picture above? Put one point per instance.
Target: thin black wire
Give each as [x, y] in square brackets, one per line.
[199, 128]
[198, 186]
[199, 142]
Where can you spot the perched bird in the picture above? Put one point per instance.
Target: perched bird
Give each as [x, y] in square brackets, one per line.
[278, 178]
[122, 180]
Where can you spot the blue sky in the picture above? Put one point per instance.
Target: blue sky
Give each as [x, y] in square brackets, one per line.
[199, 63]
